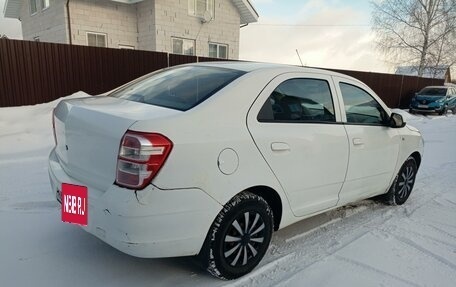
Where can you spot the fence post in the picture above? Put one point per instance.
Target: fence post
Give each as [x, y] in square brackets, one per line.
[400, 93]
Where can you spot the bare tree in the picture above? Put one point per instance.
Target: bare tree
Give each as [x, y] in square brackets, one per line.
[417, 32]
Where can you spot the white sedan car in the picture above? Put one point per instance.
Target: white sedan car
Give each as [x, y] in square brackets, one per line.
[209, 159]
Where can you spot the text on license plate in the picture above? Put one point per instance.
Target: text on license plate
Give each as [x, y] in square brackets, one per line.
[423, 106]
[74, 204]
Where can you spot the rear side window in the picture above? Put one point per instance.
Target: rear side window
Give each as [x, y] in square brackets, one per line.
[180, 88]
[299, 100]
[361, 107]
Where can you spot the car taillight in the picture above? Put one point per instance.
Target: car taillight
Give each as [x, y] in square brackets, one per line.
[53, 126]
[141, 156]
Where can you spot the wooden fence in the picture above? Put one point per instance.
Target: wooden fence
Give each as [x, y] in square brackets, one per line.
[38, 72]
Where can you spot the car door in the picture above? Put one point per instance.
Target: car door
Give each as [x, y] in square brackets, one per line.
[295, 123]
[451, 98]
[374, 146]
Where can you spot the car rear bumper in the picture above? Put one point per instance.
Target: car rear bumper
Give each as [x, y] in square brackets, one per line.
[150, 223]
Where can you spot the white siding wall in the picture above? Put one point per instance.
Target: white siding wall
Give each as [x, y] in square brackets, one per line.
[172, 20]
[118, 21]
[48, 25]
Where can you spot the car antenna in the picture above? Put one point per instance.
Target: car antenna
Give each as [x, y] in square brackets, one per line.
[297, 52]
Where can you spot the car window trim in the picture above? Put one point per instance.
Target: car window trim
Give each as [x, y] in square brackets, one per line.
[360, 124]
[321, 123]
[302, 121]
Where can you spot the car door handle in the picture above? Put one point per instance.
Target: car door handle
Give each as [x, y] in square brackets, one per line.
[358, 141]
[280, 146]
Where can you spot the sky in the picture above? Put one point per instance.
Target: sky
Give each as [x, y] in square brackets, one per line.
[327, 33]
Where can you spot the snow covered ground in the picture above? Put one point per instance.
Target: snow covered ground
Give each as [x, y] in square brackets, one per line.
[365, 244]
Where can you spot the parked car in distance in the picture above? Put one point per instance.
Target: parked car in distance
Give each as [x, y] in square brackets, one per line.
[209, 159]
[434, 99]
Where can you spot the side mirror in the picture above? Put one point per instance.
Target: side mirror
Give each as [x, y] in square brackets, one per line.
[396, 121]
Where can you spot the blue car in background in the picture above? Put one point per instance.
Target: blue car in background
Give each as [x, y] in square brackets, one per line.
[435, 99]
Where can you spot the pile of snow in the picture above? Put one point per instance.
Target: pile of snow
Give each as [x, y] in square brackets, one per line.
[28, 128]
[364, 244]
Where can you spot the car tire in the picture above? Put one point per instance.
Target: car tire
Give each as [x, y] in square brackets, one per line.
[403, 184]
[443, 112]
[238, 238]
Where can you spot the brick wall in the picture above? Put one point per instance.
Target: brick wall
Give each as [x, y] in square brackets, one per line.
[172, 20]
[118, 21]
[147, 25]
[48, 25]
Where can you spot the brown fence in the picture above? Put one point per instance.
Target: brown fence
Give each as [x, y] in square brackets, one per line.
[34, 72]
[395, 90]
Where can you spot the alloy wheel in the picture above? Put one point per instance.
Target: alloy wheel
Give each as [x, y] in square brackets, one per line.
[244, 238]
[405, 182]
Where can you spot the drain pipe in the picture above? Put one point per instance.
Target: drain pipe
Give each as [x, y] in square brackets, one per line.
[70, 37]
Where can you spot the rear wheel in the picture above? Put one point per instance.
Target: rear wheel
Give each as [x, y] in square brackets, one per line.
[403, 183]
[239, 237]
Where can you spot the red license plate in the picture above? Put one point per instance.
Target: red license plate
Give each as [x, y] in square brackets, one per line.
[74, 204]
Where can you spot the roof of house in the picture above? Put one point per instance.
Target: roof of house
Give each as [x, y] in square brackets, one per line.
[246, 10]
[438, 72]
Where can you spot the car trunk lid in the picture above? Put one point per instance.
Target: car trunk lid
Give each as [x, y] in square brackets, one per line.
[89, 132]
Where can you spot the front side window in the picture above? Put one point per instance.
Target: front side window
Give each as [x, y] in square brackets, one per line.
[96, 40]
[179, 88]
[183, 46]
[200, 7]
[33, 7]
[44, 4]
[218, 51]
[361, 107]
[299, 100]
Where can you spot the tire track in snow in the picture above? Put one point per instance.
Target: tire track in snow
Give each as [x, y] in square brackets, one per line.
[261, 271]
[424, 250]
[375, 270]
[311, 249]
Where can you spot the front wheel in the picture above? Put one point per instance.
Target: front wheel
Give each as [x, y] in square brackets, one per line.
[239, 237]
[403, 183]
[443, 112]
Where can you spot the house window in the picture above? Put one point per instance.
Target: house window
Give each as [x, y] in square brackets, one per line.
[199, 7]
[33, 8]
[127, 47]
[183, 46]
[96, 40]
[218, 51]
[44, 4]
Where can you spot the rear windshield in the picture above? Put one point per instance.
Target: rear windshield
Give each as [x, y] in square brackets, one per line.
[433, 92]
[179, 88]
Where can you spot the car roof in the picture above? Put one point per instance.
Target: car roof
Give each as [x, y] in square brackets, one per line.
[256, 66]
